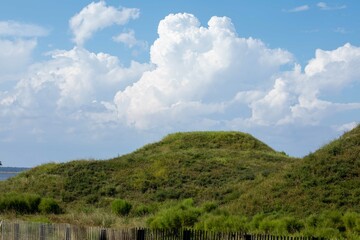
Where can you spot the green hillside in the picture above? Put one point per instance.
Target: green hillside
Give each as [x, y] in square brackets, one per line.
[328, 179]
[206, 180]
[201, 165]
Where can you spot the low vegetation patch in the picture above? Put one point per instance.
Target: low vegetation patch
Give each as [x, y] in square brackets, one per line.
[27, 204]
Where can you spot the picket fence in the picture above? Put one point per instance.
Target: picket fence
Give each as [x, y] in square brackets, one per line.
[41, 231]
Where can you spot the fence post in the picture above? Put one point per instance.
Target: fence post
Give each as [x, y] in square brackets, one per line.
[67, 233]
[103, 234]
[140, 234]
[247, 236]
[42, 232]
[16, 231]
[186, 234]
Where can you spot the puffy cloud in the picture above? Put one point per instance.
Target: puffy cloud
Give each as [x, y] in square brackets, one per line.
[72, 81]
[296, 97]
[197, 75]
[97, 16]
[273, 106]
[212, 73]
[17, 29]
[334, 69]
[197, 70]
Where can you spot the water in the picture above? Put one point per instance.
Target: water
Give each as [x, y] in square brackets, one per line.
[4, 176]
[8, 172]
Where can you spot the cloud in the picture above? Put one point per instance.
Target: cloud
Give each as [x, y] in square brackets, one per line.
[17, 42]
[346, 127]
[324, 6]
[128, 38]
[295, 96]
[212, 73]
[341, 30]
[17, 29]
[198, 77]
[97, 16]
[299, 9]
[71, 82]
[15, 56]
[197, 70]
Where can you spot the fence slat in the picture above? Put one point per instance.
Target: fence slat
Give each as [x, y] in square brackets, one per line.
[42, 231]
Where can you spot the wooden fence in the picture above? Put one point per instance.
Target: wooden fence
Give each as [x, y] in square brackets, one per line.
[41, 231]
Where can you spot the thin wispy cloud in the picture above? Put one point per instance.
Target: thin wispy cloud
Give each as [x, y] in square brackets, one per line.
[340, 30]
[299, 9]
[17, 29]
[128, 38]
[325, 6]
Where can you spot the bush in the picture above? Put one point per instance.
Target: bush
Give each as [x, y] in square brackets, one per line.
[49, 206]
[286, 225]
[222, 223]
[121, 207]
[142, 210]
[183, 215]
[293, 225]
[33, 202]
[352, 221]
[19, 203]
[209, 206]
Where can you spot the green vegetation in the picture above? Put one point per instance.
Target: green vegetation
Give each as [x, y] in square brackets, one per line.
[121, 207]
[226, 181]
[48, 206]
[27, 204]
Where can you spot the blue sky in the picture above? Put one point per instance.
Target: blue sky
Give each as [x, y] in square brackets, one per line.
[83, 79]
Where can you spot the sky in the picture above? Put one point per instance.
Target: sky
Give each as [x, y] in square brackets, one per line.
[99, 79]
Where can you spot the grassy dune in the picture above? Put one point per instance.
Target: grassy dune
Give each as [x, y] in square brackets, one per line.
[208, 180]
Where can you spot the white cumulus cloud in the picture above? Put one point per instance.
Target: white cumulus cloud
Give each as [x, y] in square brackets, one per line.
[198, 77]
[72, 81]
[297, 95]
[198, 69]
[97, 16]
[212, 73]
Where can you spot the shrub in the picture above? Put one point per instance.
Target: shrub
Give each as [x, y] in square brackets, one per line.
[293, 225]
[142, 210]
[33, 202]
[49, 206]
[19, 203]
[121, 207]
[183, 215]
[224, 223]
[209, 206]
[255, 221]
[352, 221]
